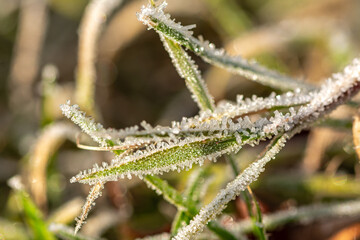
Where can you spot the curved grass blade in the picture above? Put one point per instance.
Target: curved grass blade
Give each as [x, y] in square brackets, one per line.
[154, 17]
[189, 71]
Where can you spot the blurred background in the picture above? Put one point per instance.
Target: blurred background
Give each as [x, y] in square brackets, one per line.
[98, 55]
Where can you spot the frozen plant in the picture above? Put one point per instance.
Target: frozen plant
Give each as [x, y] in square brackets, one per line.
[145, 151]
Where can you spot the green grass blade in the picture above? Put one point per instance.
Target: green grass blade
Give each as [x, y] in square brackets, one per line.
[191, 195]
[185, 205]
[67, 233]
[196, 184]
[10, 230]
[220, 232]
[179, 156]
[170, 194]
[188, 70]
[155, 18]
[181, 219]
[34, 218]
[233, 189]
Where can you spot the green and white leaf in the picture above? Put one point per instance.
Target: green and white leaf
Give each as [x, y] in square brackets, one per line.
[233, 189]
[187, 69]
[154, 17]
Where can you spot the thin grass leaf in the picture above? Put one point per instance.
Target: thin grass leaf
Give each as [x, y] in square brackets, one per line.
[182, 153]
[154, 17]
[34, 218]
[344, 124]
[185, 204]
[256, 105]
[181, 219]
[192, 194]
[197, 184]
[187, 69]
[233, 189]
[94, 193]
[204, 124]
[91, 27]
[306, 214]
[160, 160]
[171, 195]
[250, 200]
[221, 232]
[257, 220]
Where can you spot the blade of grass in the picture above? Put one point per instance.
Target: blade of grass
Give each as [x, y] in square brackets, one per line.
[65, 232]
[179, 156]
[33, 216]
[155, 18]
[192, 196]
[188, 70]
[186, 206]
[250, 201]
[90, 29]
[233, 189]
[171, 195]
[305, 214]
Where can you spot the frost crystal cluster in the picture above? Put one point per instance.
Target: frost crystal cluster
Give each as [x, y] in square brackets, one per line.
[217, 130]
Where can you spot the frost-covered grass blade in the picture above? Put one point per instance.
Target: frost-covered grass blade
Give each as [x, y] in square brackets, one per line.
[154, 17]
[233, 189]
[188, 70]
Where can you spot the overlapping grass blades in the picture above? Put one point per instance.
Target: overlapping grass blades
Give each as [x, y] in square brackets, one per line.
[145, 151]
